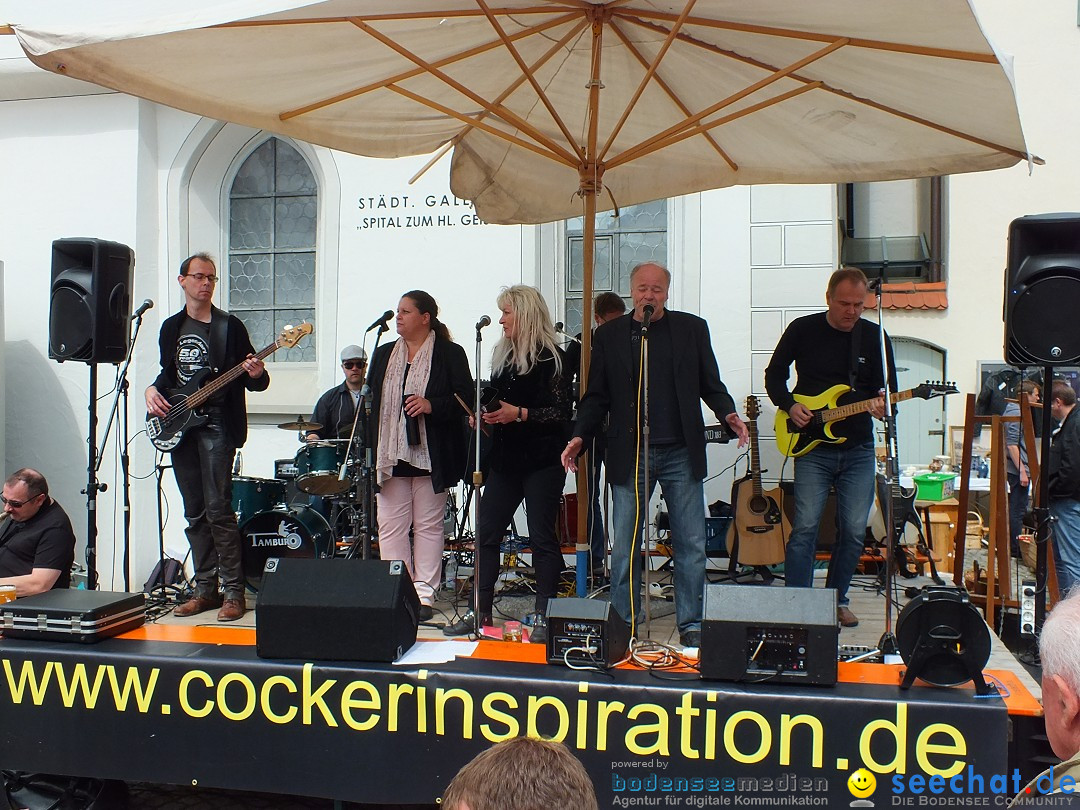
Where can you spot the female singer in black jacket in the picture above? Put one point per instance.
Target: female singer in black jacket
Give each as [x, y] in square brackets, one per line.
[420, 443]
[530, 421]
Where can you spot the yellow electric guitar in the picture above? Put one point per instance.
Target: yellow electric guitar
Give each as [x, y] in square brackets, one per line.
[760, 526]
[794, 441]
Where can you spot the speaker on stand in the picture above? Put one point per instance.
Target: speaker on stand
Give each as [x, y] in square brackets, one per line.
[90, 321]
[1042, 295]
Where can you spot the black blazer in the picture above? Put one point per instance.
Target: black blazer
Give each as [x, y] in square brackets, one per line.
[447, 431]
[229, 345]
[613, 376]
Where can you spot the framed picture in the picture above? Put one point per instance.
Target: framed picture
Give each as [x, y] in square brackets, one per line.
[956, 445]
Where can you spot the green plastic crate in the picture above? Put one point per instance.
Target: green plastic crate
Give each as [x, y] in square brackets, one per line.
[935, 486]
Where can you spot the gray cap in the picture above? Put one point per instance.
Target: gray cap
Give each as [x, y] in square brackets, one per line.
[353, 352]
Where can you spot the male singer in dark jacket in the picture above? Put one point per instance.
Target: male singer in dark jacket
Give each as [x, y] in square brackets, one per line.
[682, 372]
[197, 337]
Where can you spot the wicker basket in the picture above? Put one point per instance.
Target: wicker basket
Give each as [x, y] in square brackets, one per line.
[975, 531]
[1028, 550]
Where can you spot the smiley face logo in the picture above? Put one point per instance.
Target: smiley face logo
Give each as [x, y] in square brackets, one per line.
[861, 783]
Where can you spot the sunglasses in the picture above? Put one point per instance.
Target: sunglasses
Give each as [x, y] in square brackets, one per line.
[351, 364]
[18, 504]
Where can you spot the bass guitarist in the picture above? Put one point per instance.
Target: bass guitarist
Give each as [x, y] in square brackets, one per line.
[198, 337]
[829, 348]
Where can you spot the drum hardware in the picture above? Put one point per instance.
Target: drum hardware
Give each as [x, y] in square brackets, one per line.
[302, 425]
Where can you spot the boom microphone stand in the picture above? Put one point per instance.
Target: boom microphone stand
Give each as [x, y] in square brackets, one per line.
[646, 534]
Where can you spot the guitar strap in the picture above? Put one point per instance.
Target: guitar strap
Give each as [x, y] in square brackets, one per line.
[853, 363]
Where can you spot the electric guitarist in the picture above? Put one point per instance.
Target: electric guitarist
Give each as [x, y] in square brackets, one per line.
[827, 349]
[199, 337]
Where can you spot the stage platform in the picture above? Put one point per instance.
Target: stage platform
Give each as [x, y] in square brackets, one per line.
[162, 703]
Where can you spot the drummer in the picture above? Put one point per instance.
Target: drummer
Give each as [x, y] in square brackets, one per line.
[336, 409]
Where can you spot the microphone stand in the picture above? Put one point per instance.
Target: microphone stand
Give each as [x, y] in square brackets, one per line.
[887, 644]
[96, 458]
[368, 465]
[646, 534]
[477, 482]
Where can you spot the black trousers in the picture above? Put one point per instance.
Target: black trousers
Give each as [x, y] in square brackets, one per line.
[202, 464]
[541, 490]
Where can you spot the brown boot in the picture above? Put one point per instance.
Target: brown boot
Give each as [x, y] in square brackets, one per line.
[846, 617]
[231, 610]
[197, 604]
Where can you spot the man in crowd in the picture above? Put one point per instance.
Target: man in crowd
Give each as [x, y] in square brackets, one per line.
[1016, 465]
[37, 545]
[828, 348]
[682, 372]
[522, 773]
[336, 409]
[198, 337]
[606, 307]
[1060, 657]
[1064, 471]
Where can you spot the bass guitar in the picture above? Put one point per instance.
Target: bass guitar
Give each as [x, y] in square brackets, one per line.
[760, 530]
[166, 432]
[794, 441]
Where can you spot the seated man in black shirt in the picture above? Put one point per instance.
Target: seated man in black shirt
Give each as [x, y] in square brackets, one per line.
[37, 545]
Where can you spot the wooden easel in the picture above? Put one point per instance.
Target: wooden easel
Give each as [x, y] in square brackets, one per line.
[997, 558]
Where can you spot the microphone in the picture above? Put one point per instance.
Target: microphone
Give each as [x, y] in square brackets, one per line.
[485, 321]
[646, 316]
[381, 321]
[559, 330]
[147, 304]
[559, 326]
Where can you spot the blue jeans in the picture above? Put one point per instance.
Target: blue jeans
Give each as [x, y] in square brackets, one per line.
[685, 498]
[851, 469]
[1018, 505]
[1066, 528]
[597, 544]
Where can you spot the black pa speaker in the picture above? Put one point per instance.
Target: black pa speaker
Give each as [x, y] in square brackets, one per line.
[769, 635]
[1042, 291]
[585, 631]
[90, 303]
[335, 610]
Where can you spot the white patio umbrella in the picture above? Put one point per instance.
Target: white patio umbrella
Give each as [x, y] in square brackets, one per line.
[560, 108]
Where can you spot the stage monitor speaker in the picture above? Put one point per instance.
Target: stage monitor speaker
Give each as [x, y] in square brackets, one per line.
[769, 635]
[1042, 291]
[585, 631]
[335, 610]
[90, 302]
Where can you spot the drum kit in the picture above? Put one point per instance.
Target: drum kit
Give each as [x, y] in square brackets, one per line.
[313, 507]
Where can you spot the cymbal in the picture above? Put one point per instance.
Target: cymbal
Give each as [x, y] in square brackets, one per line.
[300, 424]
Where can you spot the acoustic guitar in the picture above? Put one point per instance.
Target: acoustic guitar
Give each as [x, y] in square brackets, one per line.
[794, 441]
[166, 432]
[760, 527]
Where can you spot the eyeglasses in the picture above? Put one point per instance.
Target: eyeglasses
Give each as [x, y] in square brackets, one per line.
[351, 364]
[201, 277]
[18, 504]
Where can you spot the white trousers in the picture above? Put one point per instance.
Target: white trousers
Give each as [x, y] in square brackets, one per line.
[406, 503]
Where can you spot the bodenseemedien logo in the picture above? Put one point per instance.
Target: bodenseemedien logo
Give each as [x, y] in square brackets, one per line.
[861, 784]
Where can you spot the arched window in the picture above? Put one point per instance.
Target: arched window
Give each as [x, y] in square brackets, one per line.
[273, 212]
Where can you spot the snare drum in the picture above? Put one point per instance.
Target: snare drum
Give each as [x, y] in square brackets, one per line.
[294, 531]
[317, 467]
[253, 495]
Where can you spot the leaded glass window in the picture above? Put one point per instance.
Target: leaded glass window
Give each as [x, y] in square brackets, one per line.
[638, 235]
[273, 210]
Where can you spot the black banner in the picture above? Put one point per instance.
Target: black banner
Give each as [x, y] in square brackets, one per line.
[219, 716]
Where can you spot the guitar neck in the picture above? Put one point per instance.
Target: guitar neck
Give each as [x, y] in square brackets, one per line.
[755, 462]
[844, 411]
[211, 388]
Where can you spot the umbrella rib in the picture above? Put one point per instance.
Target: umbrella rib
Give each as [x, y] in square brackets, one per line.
[532, 80]
[632, 152]
[727, 119]
[419, 71]
[1008, 150]
[812, 36]
[650, 71]
[506, 115]
[672, 95]
[408, 15]
[558, 157]
[554, 49]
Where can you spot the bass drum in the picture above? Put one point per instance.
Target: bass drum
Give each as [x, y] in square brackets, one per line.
[253, 495]
[294, 531]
